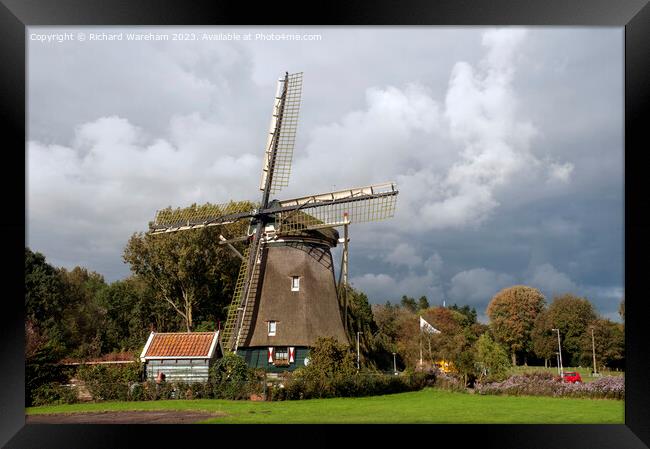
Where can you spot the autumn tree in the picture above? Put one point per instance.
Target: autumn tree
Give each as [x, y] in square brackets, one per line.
[188, 270]
[512, 313]
[571, 315]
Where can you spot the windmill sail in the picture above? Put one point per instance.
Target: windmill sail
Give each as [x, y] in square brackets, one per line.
[358, 205]
[241, 308]
[282, 133]
[198, 216]
[292, 238]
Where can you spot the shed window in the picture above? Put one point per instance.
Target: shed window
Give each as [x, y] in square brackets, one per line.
[295, 283]
[272, 328]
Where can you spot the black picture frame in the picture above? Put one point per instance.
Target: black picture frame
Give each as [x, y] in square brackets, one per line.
[634, 15]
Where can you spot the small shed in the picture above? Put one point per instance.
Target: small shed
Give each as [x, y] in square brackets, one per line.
[181, 356]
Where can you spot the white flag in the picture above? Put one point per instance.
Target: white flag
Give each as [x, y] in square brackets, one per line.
[427, 327]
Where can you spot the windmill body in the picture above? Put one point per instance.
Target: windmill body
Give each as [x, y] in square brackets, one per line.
[286, 294]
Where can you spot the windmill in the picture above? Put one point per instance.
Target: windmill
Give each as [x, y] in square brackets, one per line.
[286, 294]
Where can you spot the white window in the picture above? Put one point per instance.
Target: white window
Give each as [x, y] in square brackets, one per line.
[281, 354]
[272, 328]
[295, 283]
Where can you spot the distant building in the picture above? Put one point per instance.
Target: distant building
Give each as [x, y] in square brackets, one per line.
[180, 356]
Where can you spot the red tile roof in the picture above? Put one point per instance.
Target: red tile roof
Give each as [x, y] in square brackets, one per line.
[180, 344]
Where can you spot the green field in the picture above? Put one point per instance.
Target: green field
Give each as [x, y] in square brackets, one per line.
[427, 406]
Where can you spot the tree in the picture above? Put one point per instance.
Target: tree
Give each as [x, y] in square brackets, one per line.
[409, 304]
[512, 313]
[609, 342]
[84, 318]
[132, 311]
[423, 303]
[328, 359]
[543, 338]
[188, 270]
[470, 313]
[491, 359]
[45, 298]
[571, 315]
[361, 319]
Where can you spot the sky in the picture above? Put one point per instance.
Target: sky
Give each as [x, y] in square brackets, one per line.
[506, 145]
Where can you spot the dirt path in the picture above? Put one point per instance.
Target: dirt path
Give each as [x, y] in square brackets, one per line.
[132, 417]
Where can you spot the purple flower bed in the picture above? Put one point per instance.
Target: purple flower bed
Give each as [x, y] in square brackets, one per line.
[546, 384]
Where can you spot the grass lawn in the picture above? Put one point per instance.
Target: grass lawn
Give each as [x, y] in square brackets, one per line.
[427, 406]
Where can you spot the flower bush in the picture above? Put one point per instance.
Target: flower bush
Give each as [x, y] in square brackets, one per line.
[546, 384]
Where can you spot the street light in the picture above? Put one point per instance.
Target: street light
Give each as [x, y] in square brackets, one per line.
[394, 364]
[358, 354]
[559, 346]
[593, 349]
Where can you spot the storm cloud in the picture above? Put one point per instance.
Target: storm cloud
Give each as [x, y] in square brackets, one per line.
[506, 145]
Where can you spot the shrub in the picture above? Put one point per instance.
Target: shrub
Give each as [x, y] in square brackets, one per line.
[54, 393]
[110, 382]
[449, 382]
[298, 386]
[230, 378]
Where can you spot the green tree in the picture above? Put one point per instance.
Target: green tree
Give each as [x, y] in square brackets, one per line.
[376, 344]
[469, 312]
[188, 270]
[328, 360]
[571, 315]
[423, 303]
[544, 339]
[45, 297]
[409, 303]
[609, 342]
[491, 359]
[512, 313]
[84, 318]
[131, 313]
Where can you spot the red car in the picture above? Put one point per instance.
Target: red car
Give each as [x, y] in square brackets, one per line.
[572, 376]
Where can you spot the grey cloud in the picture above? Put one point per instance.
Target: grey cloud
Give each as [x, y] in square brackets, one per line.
[506, 146]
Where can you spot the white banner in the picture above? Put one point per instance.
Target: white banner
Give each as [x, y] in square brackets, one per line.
[426, 327]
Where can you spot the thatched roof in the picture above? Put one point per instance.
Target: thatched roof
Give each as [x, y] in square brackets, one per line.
[302, 316]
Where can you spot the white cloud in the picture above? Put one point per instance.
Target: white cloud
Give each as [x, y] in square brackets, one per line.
[113, 177]
[551, 281]
[560, 172]
[477, 285]
[404, 254]
[448, 158]
[385, 287]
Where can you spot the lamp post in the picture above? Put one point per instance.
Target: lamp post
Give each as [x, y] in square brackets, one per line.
[394, 364]
[593, 348]
[358, 353]
[559, 346]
